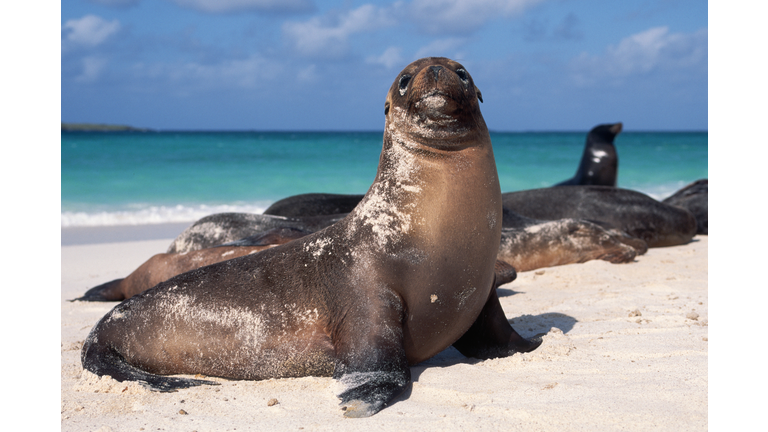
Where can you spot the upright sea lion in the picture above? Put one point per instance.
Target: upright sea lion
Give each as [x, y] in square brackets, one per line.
[632, 212]
[599, 163]
[361, 300]
[694, 198]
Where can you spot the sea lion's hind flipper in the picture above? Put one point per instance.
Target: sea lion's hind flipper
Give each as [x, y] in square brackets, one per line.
[492, 336]
[104, 360]
[109, 291]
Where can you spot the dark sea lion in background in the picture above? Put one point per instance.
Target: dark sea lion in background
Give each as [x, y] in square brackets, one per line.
[632, 212]
[599, 163]
[360, 300]
[221, 228]
[314, 204]
[694, 198]
[161, 267]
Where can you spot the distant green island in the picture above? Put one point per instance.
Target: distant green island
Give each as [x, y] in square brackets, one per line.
[94, 127]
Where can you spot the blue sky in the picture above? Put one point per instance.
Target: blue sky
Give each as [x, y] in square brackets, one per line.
[311, 65]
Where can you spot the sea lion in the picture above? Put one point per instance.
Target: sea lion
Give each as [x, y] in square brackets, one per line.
[529, 244]
[632, 212]
[360, 300]
[161, 267]
[693, 198]
[526, 244]
[313, 204]
[599, 163]
[220, 228]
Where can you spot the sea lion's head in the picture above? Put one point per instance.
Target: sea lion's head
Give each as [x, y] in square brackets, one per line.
[434, 102]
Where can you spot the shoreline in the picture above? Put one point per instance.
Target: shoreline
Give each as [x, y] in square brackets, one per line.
[82, 235]
[626, 345]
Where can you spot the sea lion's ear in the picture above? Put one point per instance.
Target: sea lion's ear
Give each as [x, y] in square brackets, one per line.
[386, 107]
[479, 94]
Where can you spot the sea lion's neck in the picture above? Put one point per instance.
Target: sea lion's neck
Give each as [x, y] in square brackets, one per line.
[421, 193]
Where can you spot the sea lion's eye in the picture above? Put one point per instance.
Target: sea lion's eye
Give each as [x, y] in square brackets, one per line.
[403, 83]
[463, 76]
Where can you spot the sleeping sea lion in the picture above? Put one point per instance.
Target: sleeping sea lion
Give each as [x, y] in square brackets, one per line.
[526, 244]
[694, 198]
[161, 267]
[529, 244]
[220, 228]
[313, 204]
[632, 212]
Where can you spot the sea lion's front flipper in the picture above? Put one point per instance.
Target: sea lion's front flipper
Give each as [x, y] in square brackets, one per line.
[371, 363]
[504, 273]
[491, 335]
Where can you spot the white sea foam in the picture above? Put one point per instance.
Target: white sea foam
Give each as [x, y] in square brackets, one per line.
[658, 191]
[153, 214]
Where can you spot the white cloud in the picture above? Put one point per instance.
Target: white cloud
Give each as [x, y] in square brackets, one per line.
[462, 16]
[389, 58]
[116, 3]
[328, 36]
[92, 68]
[644, 52]
[89, 30]
[248, 73]
[225, 6]
[441, 48]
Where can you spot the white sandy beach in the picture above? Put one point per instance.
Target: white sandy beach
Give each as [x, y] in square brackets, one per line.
[625, 349]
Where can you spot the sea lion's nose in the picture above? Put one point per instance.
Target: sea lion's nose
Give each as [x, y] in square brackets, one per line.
[436, 70]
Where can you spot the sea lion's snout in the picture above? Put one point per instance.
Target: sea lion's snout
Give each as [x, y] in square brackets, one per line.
[436, 71]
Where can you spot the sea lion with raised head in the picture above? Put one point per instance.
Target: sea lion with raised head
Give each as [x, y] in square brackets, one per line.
[599, 163]
[407, 273]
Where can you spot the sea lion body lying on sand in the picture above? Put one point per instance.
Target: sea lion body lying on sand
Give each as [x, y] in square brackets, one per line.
[361, 300]
[632, 212]
[694, 198]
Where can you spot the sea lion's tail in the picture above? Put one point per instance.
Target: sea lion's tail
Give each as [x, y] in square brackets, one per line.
[103, 359]
[109, 291]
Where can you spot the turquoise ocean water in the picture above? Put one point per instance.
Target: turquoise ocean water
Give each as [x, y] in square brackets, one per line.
[138, 178]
